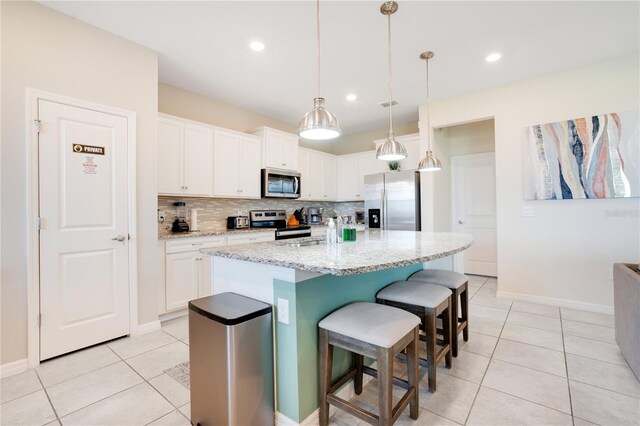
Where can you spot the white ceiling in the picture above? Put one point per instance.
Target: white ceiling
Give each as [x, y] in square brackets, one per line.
[203, 47]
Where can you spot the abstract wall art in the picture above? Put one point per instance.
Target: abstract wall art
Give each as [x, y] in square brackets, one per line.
[591, 157]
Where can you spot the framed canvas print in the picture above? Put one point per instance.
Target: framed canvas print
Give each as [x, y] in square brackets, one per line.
[589, 157]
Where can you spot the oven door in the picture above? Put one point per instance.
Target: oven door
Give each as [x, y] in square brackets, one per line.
[280, 184]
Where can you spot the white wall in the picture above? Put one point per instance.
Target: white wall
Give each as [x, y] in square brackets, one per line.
[45, 50]
[566, 250]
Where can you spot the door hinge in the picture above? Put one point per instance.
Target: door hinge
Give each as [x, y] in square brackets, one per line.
[39, 320]
[38, 223]
[37, 124]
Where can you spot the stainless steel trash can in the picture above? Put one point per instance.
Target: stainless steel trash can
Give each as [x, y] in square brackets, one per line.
[231, 361]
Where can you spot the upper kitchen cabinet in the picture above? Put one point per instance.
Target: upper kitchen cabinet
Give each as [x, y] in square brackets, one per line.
[236, 164]
[185, 158]
[412, 144]
[317, 175]
[352, 169]
[279, 149]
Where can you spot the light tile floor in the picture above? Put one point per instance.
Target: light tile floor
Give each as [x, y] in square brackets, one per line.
[524, 363]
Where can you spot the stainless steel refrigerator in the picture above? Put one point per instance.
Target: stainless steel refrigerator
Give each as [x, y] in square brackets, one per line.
[392, 201]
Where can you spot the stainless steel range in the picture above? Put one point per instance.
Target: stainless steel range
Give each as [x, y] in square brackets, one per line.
[277, 219]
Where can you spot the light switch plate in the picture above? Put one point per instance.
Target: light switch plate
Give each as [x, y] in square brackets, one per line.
[283, 311]
[528, 211]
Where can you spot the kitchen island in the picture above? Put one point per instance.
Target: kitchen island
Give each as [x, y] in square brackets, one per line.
[306, 279]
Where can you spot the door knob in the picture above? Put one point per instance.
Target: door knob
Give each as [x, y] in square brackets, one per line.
[460, 222]
[119, 238]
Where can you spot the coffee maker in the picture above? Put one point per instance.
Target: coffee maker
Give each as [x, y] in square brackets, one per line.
[180, 222]
[314, 215]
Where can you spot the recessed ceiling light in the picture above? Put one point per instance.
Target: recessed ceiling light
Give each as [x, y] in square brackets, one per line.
[493, 57]
[352, 97]
[257, 46]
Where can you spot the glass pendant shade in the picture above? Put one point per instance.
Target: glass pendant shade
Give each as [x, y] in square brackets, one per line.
[319, 124]
[429, 163]
[391, 150]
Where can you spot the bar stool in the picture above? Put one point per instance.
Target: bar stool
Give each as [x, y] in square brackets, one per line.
[428, 302]
[375, 331]
[458, 283]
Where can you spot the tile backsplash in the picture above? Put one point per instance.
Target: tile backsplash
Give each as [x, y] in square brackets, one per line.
[213, 213]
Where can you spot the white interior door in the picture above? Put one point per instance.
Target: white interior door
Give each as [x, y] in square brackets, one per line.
[473, 183]
[84, 266]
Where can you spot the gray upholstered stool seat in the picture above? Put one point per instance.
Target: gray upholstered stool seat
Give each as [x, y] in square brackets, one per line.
[415, 293]
[379, 332]
[375, 324]
[428, 301]
[447, 279]
[458, 283]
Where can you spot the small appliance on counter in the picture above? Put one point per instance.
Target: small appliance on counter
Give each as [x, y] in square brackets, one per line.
[180, 222]
[314, 215]
[360, 217]
[238, 222]
[277, 219]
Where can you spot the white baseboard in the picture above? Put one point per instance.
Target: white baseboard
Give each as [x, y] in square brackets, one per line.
[15, 367]
[148, 327]
[173, 315]
[563, 303]
[346, 392]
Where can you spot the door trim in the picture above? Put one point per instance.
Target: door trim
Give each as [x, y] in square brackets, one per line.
[458, 263]
[33, 240]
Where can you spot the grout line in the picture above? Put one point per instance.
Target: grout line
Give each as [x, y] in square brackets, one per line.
[55, 412]
[532, 402]
[566, 367]
[146, 352]
[26, 394]
[79, 375]
[605, 389]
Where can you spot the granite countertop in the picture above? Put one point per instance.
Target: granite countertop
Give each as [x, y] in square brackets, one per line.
[211, 233]
[374, 250]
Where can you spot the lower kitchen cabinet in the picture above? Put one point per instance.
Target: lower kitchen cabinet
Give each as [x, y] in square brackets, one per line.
[186, 279]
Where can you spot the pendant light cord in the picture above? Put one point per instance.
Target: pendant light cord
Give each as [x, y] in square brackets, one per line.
[429, 147]
[390, 78]
[318, 47]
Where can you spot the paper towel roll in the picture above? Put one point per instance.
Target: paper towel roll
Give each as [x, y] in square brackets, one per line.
[194, 220]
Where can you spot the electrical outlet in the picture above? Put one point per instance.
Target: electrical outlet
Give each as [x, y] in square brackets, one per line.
[161, 216]
[528, 211]
[283, 311]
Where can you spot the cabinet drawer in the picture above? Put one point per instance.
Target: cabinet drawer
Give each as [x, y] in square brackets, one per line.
[190, 244]
[258, 237]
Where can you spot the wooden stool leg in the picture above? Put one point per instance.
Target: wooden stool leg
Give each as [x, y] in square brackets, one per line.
[448, 332]
[385, 383]
[326, 364]
[357, 382]
[431, 336]
[454, 322]
[412, 372]
[464, 302]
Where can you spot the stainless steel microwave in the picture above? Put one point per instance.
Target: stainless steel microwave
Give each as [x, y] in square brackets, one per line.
[280, 184]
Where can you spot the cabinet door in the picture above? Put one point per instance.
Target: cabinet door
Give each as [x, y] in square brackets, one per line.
[305, 179]
[348, 178]
[198, 160]
[170, 156]
[329, 177]
[225, 164]
[205, 276]
[273, 150]
[316, 176]
[181, 279]
[249, 166]
[368, 164]
[289, 152]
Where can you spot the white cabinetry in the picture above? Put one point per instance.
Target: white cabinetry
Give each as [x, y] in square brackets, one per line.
[352, 169]
[317, 175]
[279, 149]
[187, 271]
[412, 144]
[236, 164]
[251, 238]
[185, 158]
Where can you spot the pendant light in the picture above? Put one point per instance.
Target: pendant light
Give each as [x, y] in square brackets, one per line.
[391, 149]
[429, 163]
[319, 124]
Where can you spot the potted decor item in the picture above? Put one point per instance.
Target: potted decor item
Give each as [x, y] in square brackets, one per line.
[394, 166]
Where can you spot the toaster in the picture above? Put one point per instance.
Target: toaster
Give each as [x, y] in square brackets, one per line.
[238, 222]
